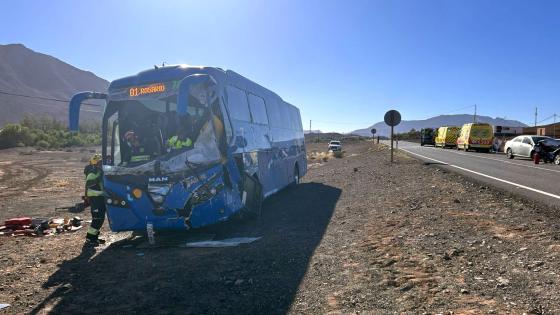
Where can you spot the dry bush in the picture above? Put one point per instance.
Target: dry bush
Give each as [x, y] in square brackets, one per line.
[320, 156]
[338, 154]
[62, 182]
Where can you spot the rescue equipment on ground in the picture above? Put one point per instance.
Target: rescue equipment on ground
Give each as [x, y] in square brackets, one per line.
[27, 226]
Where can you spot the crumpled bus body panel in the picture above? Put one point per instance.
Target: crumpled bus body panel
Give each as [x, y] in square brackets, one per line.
[137, 211]
[263, 139]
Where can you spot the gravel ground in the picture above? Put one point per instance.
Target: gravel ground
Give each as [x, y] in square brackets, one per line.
[358, 235]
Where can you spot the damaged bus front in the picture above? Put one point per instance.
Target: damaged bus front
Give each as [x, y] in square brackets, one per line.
[170, 156]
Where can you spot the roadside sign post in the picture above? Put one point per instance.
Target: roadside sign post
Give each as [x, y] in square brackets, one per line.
[392, 118]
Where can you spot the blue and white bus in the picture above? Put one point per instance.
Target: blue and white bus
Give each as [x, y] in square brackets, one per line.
[185, 147]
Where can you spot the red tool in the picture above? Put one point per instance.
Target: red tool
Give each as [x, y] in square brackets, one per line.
[537, 158]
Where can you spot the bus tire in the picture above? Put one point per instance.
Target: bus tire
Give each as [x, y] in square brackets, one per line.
[253, 208]
[295, 178]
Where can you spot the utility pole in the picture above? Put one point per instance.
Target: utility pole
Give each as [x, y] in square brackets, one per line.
[536, 113]
[309, 126]
[474, 118]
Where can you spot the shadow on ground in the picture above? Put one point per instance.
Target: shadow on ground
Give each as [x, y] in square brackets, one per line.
[261, 277]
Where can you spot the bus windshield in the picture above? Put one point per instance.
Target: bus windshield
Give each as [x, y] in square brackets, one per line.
[146, 130]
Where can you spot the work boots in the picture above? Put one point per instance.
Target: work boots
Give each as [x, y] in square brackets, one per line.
[94, 240]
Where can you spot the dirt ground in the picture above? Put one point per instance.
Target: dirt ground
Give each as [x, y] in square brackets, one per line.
[357, 235]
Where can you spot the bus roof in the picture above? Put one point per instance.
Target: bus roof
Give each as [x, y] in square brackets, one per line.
[178, 72]
[162, 74]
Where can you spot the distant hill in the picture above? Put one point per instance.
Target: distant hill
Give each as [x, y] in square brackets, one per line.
[26, 72]
[311, 131]
[434, 122]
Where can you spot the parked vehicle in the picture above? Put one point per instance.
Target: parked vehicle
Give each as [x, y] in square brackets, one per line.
[447, 136]
[335, 145]
[475, 136]
[427, 137]
[522, 146]
[549, 150]
[186, 147]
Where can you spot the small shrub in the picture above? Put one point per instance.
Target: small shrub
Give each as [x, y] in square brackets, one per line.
[45, 132]
[42, 144]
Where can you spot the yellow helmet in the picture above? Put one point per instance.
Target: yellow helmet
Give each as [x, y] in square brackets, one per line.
[96, 158]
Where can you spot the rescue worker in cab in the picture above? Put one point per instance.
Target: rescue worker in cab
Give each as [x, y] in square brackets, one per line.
[181, 140]
[94, 193]
[137, 151]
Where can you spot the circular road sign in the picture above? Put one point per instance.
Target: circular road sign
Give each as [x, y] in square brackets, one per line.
[373, 131]
[392, 118]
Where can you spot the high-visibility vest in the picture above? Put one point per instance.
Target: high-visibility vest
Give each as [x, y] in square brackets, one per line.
[175, 143]
[97, 189]
[138, 154]
[139, 158]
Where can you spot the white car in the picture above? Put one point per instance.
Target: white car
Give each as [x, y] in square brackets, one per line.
[522, 146]
[335, 145]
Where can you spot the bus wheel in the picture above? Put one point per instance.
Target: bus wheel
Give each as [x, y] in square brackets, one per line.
[252, 189]
[295, 180]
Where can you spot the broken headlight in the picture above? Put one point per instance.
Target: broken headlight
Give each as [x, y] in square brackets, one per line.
[158, 192]
[205, 193]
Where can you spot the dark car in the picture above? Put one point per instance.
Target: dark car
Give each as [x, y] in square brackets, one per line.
[427, 136]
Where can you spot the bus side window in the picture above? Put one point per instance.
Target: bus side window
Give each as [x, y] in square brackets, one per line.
[274, 115]
[258, 109]
[237, 104]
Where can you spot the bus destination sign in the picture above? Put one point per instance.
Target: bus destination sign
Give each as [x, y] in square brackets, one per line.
[149, 89]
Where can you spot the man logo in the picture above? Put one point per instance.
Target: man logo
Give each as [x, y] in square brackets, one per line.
[162, 179]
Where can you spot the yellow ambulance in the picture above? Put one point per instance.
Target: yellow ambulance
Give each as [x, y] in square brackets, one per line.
[477, 137]
[447, 136]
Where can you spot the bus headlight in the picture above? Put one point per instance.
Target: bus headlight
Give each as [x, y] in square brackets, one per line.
[203, 193]
[158, 192]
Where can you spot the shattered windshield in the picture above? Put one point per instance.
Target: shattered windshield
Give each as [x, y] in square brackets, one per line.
[150, 130]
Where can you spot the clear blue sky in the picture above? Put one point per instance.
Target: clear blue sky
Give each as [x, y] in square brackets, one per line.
[343, 63]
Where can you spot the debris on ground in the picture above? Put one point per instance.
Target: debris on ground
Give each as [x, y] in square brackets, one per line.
[26, 226]
[231, 242]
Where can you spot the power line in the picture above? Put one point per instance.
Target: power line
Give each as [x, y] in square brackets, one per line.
[45, 98]
[340, 122]
[547, 118]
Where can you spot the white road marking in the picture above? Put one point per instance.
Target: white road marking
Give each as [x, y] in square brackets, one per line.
[487, 176]
[502, 161]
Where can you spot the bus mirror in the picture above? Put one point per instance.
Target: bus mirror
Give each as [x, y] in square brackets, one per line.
[185, 86]
[76, 103]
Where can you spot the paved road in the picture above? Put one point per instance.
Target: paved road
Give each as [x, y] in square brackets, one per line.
[520, 176]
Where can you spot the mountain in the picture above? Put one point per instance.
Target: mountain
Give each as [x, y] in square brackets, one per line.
[434, 122]
[40, 77]
[311, 131]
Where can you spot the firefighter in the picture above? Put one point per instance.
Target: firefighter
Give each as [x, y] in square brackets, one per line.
[177, 143]
[94, 193]
[182, 139]
[138, 152]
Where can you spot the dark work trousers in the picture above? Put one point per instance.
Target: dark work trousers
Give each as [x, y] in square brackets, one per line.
[98, 210]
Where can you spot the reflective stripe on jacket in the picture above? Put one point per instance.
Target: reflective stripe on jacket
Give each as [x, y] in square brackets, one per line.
[175, 143]
[94, 184]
